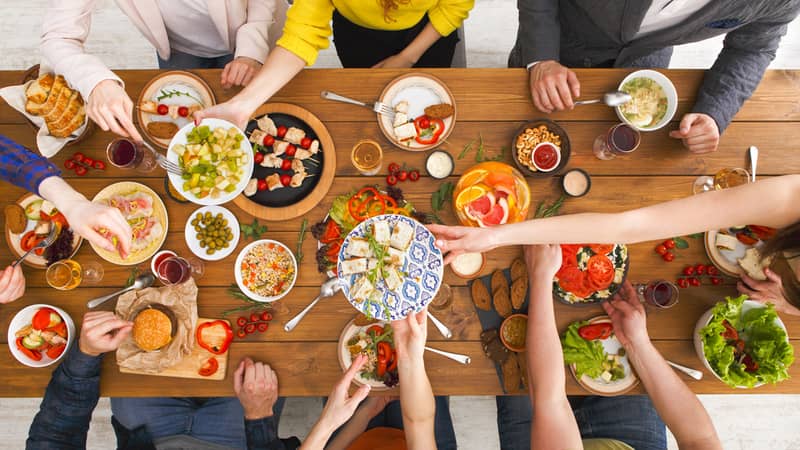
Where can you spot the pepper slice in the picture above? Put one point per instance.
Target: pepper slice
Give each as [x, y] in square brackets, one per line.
[209, 367]
[332, 232]
[216, 346]
[431, 134]
[384, 354]
[31, 354]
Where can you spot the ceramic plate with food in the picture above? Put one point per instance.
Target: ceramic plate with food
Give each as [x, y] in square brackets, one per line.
[531, 154]
[735, 250]
[596, 358]
[424, 112]
[376, 340]
[167, 103]
[654, 100]
[389, 267]
[145, 213]
[266, 270]
[39, 335]
[590, 273]
[216, 160]
[212, 232]
[28, 222]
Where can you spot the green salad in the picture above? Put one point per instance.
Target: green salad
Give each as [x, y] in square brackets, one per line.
[589, 356]
[746, 349]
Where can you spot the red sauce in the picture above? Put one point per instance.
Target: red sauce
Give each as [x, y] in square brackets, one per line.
[545, 157]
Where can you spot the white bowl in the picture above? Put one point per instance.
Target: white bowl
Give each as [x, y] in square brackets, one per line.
[703, 321]
[669, 90]
[177, 181]
[24, 318]
[558, 154]
[238, 272]
[156, 256]
[194, 244]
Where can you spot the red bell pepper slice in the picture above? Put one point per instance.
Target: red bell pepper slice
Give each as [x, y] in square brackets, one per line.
[31, 354]
[209, 367]
[332, 232]
[216, 347]
[431, 134]
[596, 331]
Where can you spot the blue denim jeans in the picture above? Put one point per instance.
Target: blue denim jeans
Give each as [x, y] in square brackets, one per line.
[631, 419]
[181, 61]
[218, 420]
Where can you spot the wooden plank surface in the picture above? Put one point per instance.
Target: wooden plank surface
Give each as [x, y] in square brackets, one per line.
[492, 104]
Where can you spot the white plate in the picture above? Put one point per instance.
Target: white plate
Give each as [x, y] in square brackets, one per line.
[599, 386]
[669, 91]
[238, 272]
[24, 318]
[727, 261]
[194, 244]
[346, 361]
[177, 181]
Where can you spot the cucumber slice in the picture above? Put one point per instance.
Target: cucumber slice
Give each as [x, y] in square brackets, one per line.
[33, 341]
[33, 209]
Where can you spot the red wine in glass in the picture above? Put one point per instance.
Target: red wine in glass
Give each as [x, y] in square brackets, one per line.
[620, 139]
[173, 270]
[124, 153]
[659, 293]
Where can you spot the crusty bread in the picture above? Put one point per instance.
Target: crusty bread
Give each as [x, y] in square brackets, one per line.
[58, 85]
[74, 108]
[152, 329]
[39, 89]
[60, 106]
[71, 127]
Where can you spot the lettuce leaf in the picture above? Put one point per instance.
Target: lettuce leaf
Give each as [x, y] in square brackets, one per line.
[588, 356]
[341, 215]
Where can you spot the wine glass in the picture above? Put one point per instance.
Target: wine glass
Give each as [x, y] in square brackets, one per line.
[92, 271]
[620, 139]
[659, 293]
[723, 179]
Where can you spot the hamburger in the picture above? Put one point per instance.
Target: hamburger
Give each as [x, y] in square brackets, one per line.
[152, 329]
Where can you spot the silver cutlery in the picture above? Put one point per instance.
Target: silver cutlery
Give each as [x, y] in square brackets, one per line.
[753, 162]
[463, 359]
[162, 160]
[696, 374]
[441, 327]
[47, 242]
[379, 107]
[141, 282]
[612, 99]
[328, 289]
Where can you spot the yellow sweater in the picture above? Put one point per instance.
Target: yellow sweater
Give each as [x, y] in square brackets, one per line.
[308, 29]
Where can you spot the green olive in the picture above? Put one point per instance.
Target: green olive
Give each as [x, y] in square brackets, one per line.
[199, 216]
[194, 222]
[202, 244]
[226, 245]
[212, 244]
[210, 251]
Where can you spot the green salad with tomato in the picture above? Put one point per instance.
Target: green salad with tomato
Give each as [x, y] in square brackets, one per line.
[377, 342]
[746, 348]
[582, 346]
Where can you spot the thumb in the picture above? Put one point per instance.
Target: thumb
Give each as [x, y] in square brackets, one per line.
[121, 334]
[687, 122]
[97, 239]
[199, 116]
[772, 276]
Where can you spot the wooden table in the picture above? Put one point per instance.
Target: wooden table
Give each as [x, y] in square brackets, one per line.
[491, 103]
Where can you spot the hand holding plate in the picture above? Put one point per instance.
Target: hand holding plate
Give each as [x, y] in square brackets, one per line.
[455, 240]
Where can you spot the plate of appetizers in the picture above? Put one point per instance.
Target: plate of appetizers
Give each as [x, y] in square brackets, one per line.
[424, 112]
[596, 358]
[215, 158]
[28, 222]
[375, 339]
[167, 103]
[294, 162]
[735, 250]
[653, 103]
[389, 267]
[590, 273]
[145, 213]
[40, 335]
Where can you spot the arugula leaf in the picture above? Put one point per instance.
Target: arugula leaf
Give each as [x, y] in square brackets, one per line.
[466, 149]
[300, 238]
[442, 195]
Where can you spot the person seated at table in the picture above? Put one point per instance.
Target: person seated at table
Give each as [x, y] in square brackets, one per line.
[770, 202]
[556, 34]
[375, 33]
[612, 423]
[187, 34]
[23, 168]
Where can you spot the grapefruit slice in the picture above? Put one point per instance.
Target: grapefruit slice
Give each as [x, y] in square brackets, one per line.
[481, 206]
[497, 215]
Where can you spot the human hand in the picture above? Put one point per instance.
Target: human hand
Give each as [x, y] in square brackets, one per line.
[12, 284]
[455, 240]
[628, 317]
[543, 260]
[699, 133]
[373, 406]
[111, 108]
[102, 332]
[398, 61]
[341, 405]
[410, 335]
[99, 224]
[769, 290]
[256, 386]
[232, 111]
[239, 72]
[553, 86]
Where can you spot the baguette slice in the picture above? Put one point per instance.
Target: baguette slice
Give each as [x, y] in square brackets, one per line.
[74, 105]
[38, 91]
[60, 105]
[71, 127]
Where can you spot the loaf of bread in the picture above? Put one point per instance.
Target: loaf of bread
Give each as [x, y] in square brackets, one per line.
[61, 107]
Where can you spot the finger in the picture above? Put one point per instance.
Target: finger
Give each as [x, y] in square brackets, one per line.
[699, 139]
[5, 279]
[95, 317]
[451, 256]
[623, 306]
[754, 284]
[742, 288]
[772, 276]
[544, 99]
[608, 307]
[114, 125]
[225, 77]
[704, 148]
[127, 120]
[564, 93]
[261, 373]
[17, 277]
[359, 395]
[687, 122]
[249, 375]
[97, 239]
[250, 73]
[237, 377]
[676, 134]
[272, 376]
[121, 335]
[574, 84]
[99, 119]
[241, 72]
[107, 326]
[554, 98]
[357, 364]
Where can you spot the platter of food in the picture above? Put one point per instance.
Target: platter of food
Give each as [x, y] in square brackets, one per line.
[491, 193]
[146, 214]
[167, 102]
[212, 232]
[294, 162]
[50, 99]
[654, 100]
[541, 148]
[590, 273]
[744, 343]
[389, 266]
[375, 339]
[596, 358]
[215, 158]
[28, 222]
[735, 250]
[39, 335]
[424, 112]
[265, 270]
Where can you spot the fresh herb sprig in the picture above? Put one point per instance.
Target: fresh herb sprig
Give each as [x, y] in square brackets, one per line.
[176, 93]
[466, 149]
[253, 231]
[132, 277]
[235, 292]
[298, 253]
[543, 210]
[380, 254]
[442, 195]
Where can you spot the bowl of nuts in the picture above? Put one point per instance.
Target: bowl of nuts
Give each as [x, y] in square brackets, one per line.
[529, 137]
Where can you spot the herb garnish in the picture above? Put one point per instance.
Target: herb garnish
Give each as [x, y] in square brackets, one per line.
[177, 93]
[542, 210]
[480, 154]
[235, 292]
[132, 277]
[442, 195]
[300, 238]
[253, 231]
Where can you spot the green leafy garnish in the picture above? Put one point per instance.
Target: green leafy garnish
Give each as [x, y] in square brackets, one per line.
[235, 292]
[176, 93]
[696, 235]
[680, 242]
[253, 231]
[442, 195]
[542, 210]
[466, 149]
[588, 356]
[300, 238]
[132, 277]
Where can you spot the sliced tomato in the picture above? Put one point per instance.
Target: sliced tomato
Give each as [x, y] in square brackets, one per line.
[569, 254]
[209, 367]
[762, 232]
[584, 289]
[601, 249]
[596, 331]
[600, 272]
[60, 329]
[41, 320]
[31, 354]
[377, 329]
[730, 333]
[570, 278]
[29, 240]
[59, 219]
[55, 352]
[746, 239]
[332, 232]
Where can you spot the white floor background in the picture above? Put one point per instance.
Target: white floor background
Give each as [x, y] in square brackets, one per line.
[744, 422]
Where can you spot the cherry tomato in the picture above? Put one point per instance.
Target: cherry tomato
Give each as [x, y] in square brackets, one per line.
[394, 168]
[241, 321]
[716, 281]
[69, 164]
[99, 165]
[413, 175]
[683, 283]
[250, 328]
[266, 316]
[258, 158]
[262, 185]
[81, 171]
[282, 131]
[669, 243]
[268, 140]
[424, 122]
[306, 142]
[660, 249]
[262, 327]
[285, 179]
[254, 317]
[712, 270]
[183, 111]
[688, 271]
[730, 333]
[391, 180]
[750, 365]
[162, 109]
[668, 256]
[291, 150]
[78, 156]
[286, 164]
[240, 333]
[88, 161]
[694, 281]
[700, 269]
[402, 175]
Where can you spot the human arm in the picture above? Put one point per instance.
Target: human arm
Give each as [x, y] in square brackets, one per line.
[12, 283]
[555, 427]
[252, 43]
[357, 424]
[66, 410]
[678, 407]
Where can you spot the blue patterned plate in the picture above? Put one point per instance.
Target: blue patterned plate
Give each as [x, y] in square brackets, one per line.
[422, 267]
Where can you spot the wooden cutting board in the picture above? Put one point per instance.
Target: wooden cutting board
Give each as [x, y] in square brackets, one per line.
[188, 366]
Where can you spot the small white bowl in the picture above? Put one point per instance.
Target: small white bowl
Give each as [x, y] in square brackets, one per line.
[669, 91]
[238, 272]
[558, 160]
[155, 258]
[24, 318]
[194, 244]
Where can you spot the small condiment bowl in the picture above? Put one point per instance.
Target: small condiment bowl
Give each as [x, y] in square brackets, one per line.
[470, 276]
[588, 183]
[506, 323]
[539, 146]
[452, 164]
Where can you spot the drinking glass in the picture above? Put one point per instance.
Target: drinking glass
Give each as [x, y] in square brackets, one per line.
[723, 179]
[659, 293]
[177, 270]
[64, 275]
[367, 157]
[127, 154]
[620, 139]
[92, 271]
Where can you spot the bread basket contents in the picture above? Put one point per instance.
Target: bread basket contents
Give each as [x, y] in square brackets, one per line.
[61, 107]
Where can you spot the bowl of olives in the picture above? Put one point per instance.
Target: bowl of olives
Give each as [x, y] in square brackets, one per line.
[212, 233]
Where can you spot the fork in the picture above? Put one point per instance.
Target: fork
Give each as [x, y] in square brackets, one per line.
[162, 161]
[47, 242]
[379, 107]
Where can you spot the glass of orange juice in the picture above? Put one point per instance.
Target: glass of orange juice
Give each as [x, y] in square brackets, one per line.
[367, 157]
[64, 275]
[491, 193]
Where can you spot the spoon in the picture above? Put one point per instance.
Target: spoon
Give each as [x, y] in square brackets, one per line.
[440, 326]
[753, 162]
[141, 282]
[463, 359]
[328, 289]
[696, 374]
[612, 99]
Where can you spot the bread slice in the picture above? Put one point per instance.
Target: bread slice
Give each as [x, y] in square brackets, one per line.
[38, 91]
[71, 127]
[72, 108]
[59, 106]
[58, 85]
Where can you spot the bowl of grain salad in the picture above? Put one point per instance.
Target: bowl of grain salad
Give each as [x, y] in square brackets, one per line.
[266, 270]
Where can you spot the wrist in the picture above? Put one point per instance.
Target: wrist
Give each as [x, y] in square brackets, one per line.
[257, 415]
[61, 194]
[638, 347]
[409, 56]
[87, 351]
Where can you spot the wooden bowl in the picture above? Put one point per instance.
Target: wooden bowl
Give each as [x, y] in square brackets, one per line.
[553, 128]
[506, 323]
[471, 276]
